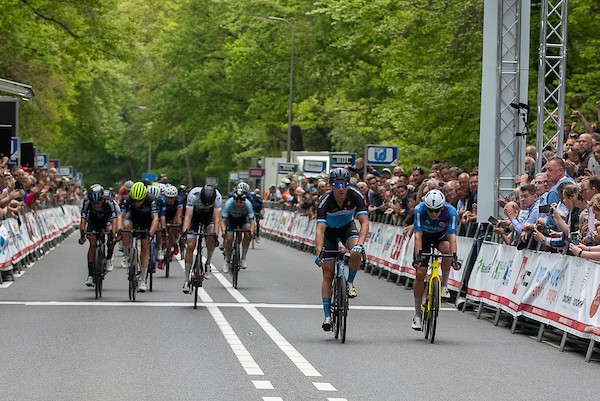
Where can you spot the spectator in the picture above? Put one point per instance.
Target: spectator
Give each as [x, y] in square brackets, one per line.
[526, 212]
[451, 192]
[587, 220]
[530, 151]
[541, 187]
[530, 167]
[585, 251]
[585, 147]
[417, 176]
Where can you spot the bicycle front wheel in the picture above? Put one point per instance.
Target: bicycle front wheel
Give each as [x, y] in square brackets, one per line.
[98, 271]
[435, 307]
[235, 266]
[425, 320]
[343, 308]
[132, 274]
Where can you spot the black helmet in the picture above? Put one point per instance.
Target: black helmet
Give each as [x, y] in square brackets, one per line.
[239, 194]
[339, 174]
[208, 194]
[96, 193]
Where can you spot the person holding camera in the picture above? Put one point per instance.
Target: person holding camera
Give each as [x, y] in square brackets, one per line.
[522, 215]
[588, 251]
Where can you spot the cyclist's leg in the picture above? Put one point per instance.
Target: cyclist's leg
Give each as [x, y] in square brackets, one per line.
[210, 248]
[328, 271]
[420, 274]
[110, 245]
[191, 245]
[160, 252]
[144, 257]
[247, 238]
[350, 238]
[126, 239]
[90, 258]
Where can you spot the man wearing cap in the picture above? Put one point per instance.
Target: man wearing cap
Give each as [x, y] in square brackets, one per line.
[386, 173]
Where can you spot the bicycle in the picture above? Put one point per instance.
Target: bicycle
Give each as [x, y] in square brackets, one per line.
[235, 254]
[196, 277]
[340, 301]
[169, 245]
[152, 262]
[432, 297]
[99, 260]
[134, 261]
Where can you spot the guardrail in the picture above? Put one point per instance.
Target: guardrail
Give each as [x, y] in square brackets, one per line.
[555, 291]
[25, 238]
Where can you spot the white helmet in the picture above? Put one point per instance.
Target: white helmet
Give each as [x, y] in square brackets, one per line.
[162, 187]
[128, 184]
[243, 186]
[171, 191]
[434, 199]
[154, 191]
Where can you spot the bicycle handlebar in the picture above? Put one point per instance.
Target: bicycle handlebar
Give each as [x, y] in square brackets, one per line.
[438, 255]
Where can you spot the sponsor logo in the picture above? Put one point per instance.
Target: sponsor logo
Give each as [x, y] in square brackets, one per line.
[595, 303]
[521, 276]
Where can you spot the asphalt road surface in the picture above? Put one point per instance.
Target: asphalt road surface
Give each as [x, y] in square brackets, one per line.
[262, 341]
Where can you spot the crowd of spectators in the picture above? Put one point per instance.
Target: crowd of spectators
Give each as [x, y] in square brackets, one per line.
[23, 189]
[556, 210]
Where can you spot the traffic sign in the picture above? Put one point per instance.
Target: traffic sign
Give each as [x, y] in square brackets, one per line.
[66, 171]
[285, 168]
[314, 166]
[342, 159]
[214, 181]
[257, 172]
[381, 155]
[243, 175]
[233, 177]
[152, 177]
[54, 163]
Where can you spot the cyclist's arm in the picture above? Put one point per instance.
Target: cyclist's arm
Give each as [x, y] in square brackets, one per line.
[319, 238]
[419, 242]
[452, 240]
[83, 225]
[154, 224]
[163, 221]
[187, 221]
[217, 220]
[178, 214]
[364, 229]
[223, 225]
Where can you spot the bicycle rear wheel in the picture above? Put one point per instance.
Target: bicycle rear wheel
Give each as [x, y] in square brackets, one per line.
[132, 276]
[168, 255]
[435, 307]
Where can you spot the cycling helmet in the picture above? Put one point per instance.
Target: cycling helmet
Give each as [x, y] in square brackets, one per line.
[171, 191]
[96, 193]
[128, 184]
[339, 174]
[434, 199]
[154, 191]
[138, 191]
[162, 187]
[208, 194]
[243, 186]
[239, 194]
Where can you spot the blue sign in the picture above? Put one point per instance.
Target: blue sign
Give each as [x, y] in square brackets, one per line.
[14, 150]
[152, 177]
[381, 155]
[285, 168]
[342, 159]
[314, 166]
[41, 161]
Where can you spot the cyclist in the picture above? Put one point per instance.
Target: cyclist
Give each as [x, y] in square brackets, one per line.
[203, 207]
[237, 214]
[140, 212]
[257, 205]
[97, 214]
[155, 192]
[435, 224]
[335, 221]
[171, 210]
[124, 191]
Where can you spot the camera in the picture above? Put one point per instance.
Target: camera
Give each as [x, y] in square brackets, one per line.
[575, 238]
[544, 209]
[493, 220]
[543, 229]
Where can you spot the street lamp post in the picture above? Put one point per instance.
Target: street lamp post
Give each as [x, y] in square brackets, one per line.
[291, 97]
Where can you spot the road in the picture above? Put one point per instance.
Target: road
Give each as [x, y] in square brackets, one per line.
[262, 341]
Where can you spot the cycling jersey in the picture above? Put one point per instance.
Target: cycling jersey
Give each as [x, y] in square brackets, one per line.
[146, 209]
[169, 211]
[334, 216]
[193, 201]
[98, 218]
[230, 211]
[446, 221]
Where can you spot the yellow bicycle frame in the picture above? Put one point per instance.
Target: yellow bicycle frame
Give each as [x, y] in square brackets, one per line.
[435, 272]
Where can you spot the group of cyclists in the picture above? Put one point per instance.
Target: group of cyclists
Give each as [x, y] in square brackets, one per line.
[154, 207]
[157, 210]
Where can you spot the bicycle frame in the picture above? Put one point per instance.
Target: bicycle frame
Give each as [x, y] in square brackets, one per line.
[198, 268]
[235, 253]
[432, 297]
[339, 302]
[99, 260]
[134, 261]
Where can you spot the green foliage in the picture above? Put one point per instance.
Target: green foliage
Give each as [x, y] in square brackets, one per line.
[205, 83]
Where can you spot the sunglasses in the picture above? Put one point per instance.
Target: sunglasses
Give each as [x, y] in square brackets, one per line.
[239, 200]
[434, 210]
[340, 184]
[418, 168]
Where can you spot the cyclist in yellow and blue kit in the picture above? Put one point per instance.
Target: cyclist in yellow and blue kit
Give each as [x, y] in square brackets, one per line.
[435, 224]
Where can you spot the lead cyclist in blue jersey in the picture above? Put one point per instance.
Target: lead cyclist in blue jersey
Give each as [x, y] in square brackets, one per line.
[237, 213]
[335, 222]
[434, 224]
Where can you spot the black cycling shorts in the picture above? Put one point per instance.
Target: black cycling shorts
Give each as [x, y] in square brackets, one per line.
[140, 223]
[201, 219]
[342, 234]
[432, 239]
[237, 222]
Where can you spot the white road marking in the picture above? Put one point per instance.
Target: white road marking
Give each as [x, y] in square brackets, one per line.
[6, 284]
[272, 399]
[263, 385]
[204, 303]
[324, 386]
[297, 359]
[337, 399]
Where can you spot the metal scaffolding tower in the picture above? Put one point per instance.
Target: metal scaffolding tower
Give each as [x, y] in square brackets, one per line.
[551, 79]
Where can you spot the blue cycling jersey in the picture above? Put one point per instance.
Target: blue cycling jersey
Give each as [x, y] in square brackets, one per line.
[334, 216]
[169, 210]
[229, 210]
[446, 221]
